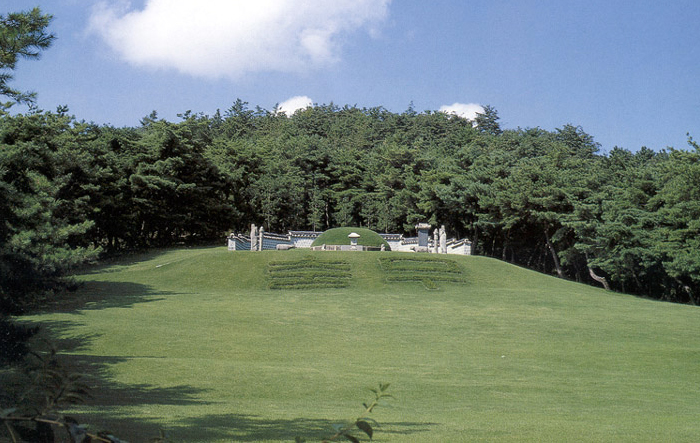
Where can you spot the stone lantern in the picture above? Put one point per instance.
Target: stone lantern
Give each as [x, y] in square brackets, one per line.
[353, 236]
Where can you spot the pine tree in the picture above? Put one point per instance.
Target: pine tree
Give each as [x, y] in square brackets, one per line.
[22, 35]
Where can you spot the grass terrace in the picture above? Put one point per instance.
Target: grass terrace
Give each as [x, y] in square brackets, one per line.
[309, 273]
[421, 268]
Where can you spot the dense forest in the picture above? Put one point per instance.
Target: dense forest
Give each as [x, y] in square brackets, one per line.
[547, 200]
[71, 191]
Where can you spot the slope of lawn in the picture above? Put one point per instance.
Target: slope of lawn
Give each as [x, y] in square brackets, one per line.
[201, 343]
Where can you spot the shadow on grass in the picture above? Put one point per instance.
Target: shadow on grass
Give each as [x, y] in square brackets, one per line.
[246, 428]
[235, 427]
[108, 408]
[102, 295]
[107, 405]
[117, 262]
[96, 372]
[110, 398]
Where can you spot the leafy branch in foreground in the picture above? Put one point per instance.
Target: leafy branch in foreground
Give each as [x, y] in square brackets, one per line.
[51, 386]
[349, 431]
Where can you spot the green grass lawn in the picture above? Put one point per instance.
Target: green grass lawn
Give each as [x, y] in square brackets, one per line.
[197, 342]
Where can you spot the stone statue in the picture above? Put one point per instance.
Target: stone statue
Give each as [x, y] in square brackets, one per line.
[436, 241]
[253, 237]
[443, 240]
[260, 239]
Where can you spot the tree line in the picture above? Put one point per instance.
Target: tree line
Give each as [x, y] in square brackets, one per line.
[547, 200]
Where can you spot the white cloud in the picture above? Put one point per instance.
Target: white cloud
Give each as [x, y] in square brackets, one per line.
[464, 110]
[228, 38]
[293, 104]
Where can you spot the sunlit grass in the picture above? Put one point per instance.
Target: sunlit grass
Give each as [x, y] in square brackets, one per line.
[196, 342]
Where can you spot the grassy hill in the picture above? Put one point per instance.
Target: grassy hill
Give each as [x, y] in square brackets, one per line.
[203, 343]
[339, 236]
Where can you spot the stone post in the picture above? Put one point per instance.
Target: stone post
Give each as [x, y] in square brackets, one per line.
[253, 236]
[443, 240]
[261, 237]
[436, 241]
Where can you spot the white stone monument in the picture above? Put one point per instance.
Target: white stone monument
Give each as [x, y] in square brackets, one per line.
[443, 240]
[253, 237]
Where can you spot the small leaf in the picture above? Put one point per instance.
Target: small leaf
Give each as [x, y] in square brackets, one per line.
[365, 427]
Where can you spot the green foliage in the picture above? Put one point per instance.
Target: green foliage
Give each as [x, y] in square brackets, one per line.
[14, 341]
[41, 389]
[177, 193]
[487, 121]
[45, 214]
[349, 430]
[22, 35]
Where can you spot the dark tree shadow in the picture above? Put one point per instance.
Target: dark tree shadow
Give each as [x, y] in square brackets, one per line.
[101, 409]
[102, 295]
[117, 262]
[249, 428]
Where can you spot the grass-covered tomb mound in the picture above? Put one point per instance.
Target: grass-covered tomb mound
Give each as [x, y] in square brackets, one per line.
[339, 236]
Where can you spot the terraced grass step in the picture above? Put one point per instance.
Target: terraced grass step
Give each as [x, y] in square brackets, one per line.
[309, 273]
[427, 270]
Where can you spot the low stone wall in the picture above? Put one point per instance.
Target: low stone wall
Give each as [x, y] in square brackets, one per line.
[461, 247]
[238, 243]
[345, 248]
[303, 239]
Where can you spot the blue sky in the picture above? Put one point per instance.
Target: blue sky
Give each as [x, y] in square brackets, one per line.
[626, 71]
